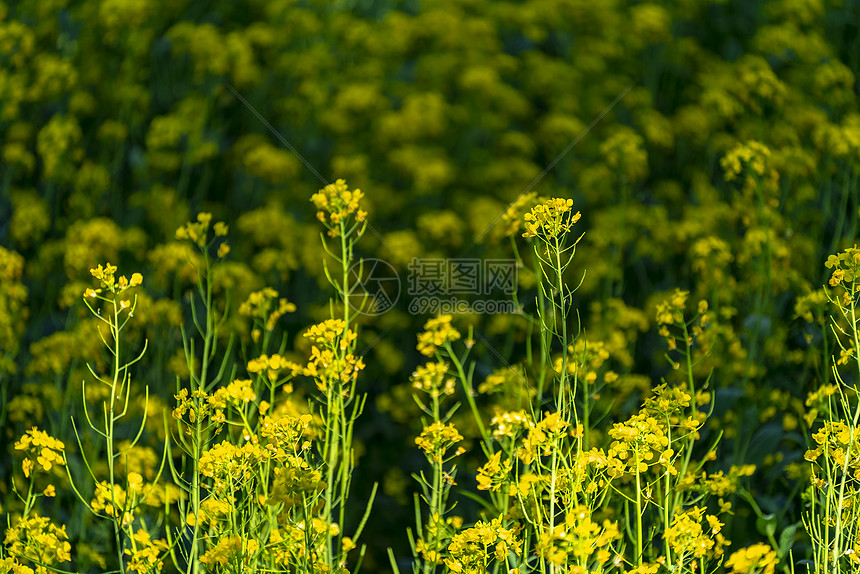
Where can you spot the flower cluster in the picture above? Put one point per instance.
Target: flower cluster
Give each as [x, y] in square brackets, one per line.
[335, 203]
[435, 440]
[752, 155]
[198, 232]
[234, 550]
[671, 310]
[115, 501]
[511, 424]
[641, 441]
[432, 379]
[147, 553]
[272, 365]
[550, 219]
[108, 280]
[198, 405]
[579, 540]
[838, 441]
[37, 539]
[437, 332]
[475, 550]
[41, 449]
[690, 541]
[719, 483]
[238, 392]
[758, 559]
[332, 333]
[326, 367]
[230, 465]
[542, 437]
[295, 481]
[260, 306]
[846, 270]
[495, 473]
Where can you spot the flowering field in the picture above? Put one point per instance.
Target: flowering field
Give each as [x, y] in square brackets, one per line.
[449, 286]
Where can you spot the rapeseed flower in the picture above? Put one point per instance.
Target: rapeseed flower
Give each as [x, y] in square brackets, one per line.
[758, 558]
[475, 549]
[147, 553]
[335, 203]
[689, 539]
[42, 449]
[550, 219]
[437, 332]
[35, 538]
[260, 306]
[432, 379]
[235, 550]
[435, 440]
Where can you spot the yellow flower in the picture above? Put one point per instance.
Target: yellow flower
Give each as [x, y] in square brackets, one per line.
[237, 392]
[431, 379]
[512, 217]
[753, 155]
[229, 549]
[335, 203]
[550, 219]
[756, 558]
[473, 550]
[347, 544]
[495, 473]
[108, 280]
[37, 539]
[46, 450]
[437, 332]
[436, 439]
[687, 538]
[511, 424]
[147, 553]
[198, 231]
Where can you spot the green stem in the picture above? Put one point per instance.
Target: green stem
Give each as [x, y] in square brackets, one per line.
[117, 520]
[837, 541]
[638, 511]
[467, 390]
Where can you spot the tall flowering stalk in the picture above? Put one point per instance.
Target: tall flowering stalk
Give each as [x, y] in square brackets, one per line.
[551, 223]
[196, 414]
[334, 367]
[833, 516]
[433, 384]
[111, 304]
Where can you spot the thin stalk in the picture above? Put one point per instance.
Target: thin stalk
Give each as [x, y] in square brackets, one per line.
[111, 419]
[467, 390]
[638, 511]
[837, 541]
[193, 565]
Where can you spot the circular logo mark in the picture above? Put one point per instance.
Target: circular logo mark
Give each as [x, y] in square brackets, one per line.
[375, 287]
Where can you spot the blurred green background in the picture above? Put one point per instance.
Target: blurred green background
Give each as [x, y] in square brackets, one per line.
[122, 119]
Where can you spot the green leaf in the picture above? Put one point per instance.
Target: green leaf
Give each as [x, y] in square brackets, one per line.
[766, 524]
[786, 539]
